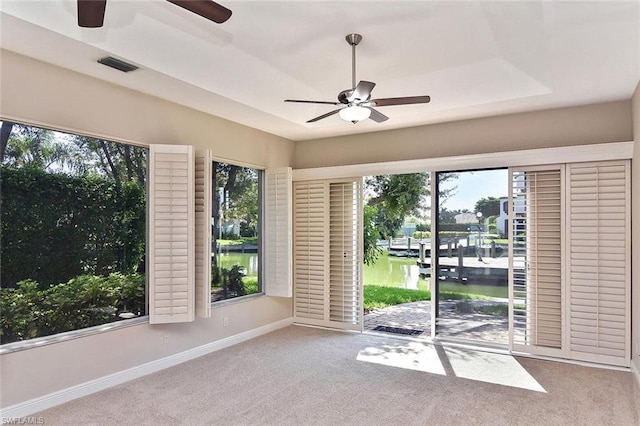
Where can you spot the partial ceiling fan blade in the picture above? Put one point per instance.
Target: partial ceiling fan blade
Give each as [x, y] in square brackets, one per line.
[377, 116]
[206, 8]
[91, 13]
[362, 91]
[312, 102]
[320, 117]
[400, 101]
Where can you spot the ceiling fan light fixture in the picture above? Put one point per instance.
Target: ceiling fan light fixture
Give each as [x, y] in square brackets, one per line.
[354, 113]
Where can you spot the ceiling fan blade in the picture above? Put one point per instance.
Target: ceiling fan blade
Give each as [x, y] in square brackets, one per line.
[206, 8]
[362, 91]
[400, 101]
[320, 117]
[377, 116]
[312, 102]
[91, 13]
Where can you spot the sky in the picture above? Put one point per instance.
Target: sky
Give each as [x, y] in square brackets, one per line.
[472, 186]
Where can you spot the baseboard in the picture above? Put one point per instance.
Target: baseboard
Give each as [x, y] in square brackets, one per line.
[636, 373]
[59, 397]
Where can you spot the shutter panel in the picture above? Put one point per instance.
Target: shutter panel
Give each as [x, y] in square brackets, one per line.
[171, 234]
[598, 261]
[345, 301]
[328, 253]
[536, 262]
[278, 242]
[310, 249]
[203, 233]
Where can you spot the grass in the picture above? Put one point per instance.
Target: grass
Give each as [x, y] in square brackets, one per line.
[378, 297]
[240, 240]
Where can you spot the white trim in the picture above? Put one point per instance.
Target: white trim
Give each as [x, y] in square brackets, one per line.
[38, 342]
[71, 130]
[528, 157]
[59, 397]
[636, 373]
[219, 159]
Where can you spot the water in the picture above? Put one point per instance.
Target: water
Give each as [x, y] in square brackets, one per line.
[247, 260]
[387, 271]
[403, 272]
[395, 272]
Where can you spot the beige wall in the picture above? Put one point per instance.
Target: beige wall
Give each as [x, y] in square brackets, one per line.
[600, 123]
[635, 232]
[43, 94]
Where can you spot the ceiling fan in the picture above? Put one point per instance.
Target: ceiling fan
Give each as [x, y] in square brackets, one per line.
[357, 102]
[91, 12]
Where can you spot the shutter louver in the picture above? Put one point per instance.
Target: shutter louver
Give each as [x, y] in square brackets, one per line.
[278, 240]
[537, 265]
[203, 234]
[599, 274]
[309, 253]
[171, 225]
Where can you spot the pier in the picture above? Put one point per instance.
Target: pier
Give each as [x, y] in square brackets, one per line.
[458, 261]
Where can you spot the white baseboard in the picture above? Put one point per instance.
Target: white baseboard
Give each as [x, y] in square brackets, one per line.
[59, 397]
[636, 373]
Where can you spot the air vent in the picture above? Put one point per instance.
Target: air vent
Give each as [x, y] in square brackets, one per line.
[117, 64]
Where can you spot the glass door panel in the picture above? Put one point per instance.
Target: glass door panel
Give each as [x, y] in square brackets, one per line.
[472, 256]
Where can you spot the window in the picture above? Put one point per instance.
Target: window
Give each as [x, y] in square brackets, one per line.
[236, 213]
[73, 224]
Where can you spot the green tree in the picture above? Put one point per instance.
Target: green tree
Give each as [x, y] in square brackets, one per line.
[390, 199]
[119, 162]
[489, 206]
[33, 147]
[449, 216]
[394, 197]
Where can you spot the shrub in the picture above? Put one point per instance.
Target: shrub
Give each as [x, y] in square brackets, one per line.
[34, 310]
[56, 227]
[421, 234]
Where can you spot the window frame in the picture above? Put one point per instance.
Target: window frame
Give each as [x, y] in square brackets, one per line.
[261, 224]
[36, 342]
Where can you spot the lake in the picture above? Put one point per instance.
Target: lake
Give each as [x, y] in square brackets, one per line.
[387, 271]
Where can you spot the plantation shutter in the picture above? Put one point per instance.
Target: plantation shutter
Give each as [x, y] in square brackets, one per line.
[345, 298]
[310, 261]
[536, 266]
[328, 253]
[171, 234]
[203, 233]
[278, 239]
[599, 271]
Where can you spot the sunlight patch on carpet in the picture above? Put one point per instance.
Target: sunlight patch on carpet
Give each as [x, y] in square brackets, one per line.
[465, 363]
[410, 355]
[499, 369]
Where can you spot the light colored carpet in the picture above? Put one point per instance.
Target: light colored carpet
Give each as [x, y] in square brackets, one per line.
[307, 376]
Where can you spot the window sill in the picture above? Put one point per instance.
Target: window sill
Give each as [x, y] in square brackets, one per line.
[76, 334]
[69, 335]
[234, 300]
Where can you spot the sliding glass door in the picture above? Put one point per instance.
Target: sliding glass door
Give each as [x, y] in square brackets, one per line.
[471, 256]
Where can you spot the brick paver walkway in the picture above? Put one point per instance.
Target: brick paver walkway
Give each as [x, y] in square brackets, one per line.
[417, 316]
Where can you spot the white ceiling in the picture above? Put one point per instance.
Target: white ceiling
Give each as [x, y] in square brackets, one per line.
[473, 58]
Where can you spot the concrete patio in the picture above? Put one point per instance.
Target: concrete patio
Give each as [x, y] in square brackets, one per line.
[417, 316]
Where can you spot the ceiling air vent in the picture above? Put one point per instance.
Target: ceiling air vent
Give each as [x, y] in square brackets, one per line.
[117, 64]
